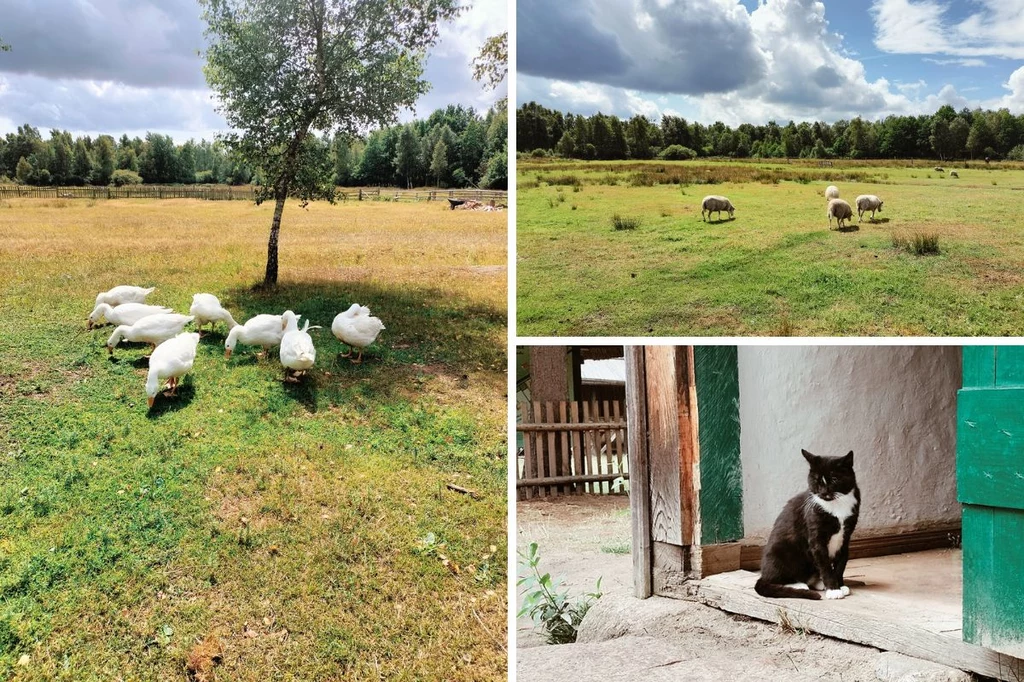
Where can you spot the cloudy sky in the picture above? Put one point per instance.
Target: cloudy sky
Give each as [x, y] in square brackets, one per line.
[131, 66]
[752, 61]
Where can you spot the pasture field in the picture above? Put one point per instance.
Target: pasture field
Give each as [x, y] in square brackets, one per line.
[776, 269]
[305, 531]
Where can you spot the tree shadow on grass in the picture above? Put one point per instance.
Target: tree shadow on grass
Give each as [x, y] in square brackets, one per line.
[878, 221]
[849, 228]
[168, 403]
[427, 331]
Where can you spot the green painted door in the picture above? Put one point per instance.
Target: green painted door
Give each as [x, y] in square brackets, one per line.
[990, 486]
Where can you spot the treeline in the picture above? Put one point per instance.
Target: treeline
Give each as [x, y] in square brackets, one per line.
[946, 134]
[453, 147]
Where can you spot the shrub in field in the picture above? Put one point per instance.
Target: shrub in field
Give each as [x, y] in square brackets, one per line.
[122, 177]
[528, 184]
[567, 179]
[548, 603]
[625, 222]
[919, 243]
[677, 152]
[1016, 154]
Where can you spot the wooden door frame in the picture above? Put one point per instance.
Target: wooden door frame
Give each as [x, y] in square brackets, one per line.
[686, 514]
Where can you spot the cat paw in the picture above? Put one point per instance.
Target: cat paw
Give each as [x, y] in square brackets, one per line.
[835, 594]
[845, 590]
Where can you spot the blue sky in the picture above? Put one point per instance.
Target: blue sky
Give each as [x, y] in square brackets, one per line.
[131, 66]
[750, 61]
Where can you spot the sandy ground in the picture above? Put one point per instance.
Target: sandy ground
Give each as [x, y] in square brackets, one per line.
[622, 638]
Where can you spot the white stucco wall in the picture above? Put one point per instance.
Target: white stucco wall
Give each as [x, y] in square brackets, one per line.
[895, 407]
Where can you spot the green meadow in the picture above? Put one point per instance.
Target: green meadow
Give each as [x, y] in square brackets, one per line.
[249, 529]
[776, 269]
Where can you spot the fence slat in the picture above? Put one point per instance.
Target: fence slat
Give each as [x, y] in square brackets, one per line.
[577, 452]
[529, 471]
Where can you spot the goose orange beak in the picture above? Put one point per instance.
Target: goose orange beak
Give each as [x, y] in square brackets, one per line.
[88, 324]
[151, 400]
[227, 354]
[110, 350]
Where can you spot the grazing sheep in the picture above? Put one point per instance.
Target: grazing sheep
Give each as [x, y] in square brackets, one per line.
[840, 210]
[831, 192]
[954, 174]
[939, 169]
[714, 202]
[868, 202]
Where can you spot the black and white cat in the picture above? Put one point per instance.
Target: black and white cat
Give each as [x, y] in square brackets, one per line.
[810, 541]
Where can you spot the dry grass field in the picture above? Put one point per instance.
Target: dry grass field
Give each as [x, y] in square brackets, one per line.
[248, 529]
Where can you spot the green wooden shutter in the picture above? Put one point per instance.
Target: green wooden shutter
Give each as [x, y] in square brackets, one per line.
[990, 486]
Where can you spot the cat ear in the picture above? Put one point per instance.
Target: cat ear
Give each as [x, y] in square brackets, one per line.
[811, 458]
[847, 460]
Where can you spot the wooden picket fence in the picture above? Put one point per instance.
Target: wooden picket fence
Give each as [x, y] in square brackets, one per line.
[571, 448]
[246, 192]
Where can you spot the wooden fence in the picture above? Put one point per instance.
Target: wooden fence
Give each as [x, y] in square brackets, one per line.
[246, 192]
[571, 448]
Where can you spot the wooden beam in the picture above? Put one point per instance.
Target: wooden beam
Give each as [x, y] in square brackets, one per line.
[879, 545]
[639, 470]
[667, 510]
[561, 480]
[588, 426]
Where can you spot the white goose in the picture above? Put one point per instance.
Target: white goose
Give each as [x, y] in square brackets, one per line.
[207, 309]
[151, 329]
[124, 294]
[171, 360]
[356, 328]
[262, 330]
[126, 313]
[297, 351]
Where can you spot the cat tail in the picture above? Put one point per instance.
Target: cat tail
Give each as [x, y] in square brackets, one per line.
[767, 589]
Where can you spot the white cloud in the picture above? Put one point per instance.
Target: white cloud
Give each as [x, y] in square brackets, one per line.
[965, 61]
[994, 29]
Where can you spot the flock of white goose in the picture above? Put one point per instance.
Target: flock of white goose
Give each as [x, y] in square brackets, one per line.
[174, 350]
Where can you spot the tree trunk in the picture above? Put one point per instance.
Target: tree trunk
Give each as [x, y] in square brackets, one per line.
[270, 278]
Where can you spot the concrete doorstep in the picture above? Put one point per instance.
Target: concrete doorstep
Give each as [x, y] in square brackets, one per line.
[654, 640]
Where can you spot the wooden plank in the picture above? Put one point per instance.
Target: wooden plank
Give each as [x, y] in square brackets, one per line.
[990, 447]
[689, 449]
[721, 481]
[563, 419]
[601, 437]
[589, 445]
[667, 522]
[1009, 362]
[619, 467]
[716, 559]
[538, 445]
[639, 469]
[943, 537]
[880, 622]
[529, 465]
[577, 447]
[670, 568]
[552, 450]
[561, 480]
[993, 587]
[580, 426]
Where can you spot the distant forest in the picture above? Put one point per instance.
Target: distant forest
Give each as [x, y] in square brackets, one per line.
[453, 147]
[946, 134]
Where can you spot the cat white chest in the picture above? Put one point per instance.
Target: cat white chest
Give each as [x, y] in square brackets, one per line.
[842, 509]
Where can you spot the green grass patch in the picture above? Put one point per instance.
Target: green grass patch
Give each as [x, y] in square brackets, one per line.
[776, 268]
[625, 222]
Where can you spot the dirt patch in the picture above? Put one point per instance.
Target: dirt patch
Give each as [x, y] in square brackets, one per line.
[580, 538]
